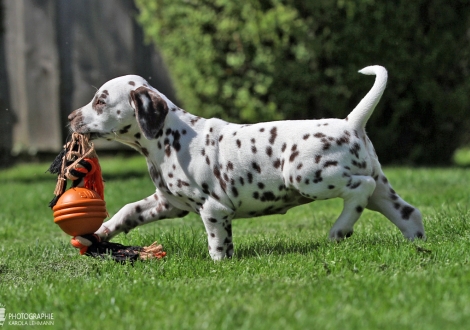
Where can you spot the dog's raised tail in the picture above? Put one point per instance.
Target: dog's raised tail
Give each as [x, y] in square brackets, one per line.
[362, 112]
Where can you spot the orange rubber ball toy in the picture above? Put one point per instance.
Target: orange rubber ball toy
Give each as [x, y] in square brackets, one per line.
[79, 211]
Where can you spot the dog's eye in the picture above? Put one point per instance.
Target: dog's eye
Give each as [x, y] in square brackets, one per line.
[100, 102]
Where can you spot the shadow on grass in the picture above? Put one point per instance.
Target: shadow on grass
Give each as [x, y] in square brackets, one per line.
[257, 249]
[191, 242]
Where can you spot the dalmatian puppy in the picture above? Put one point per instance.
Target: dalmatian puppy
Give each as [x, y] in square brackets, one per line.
[224, 171]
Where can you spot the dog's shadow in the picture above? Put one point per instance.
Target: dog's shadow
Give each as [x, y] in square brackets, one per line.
[258, 249]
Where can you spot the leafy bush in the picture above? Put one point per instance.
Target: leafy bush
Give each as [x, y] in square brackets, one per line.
[248, 61]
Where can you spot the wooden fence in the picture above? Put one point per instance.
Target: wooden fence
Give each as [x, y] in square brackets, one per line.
[53, 53]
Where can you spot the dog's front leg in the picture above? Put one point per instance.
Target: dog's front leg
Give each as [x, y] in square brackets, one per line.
[152, 208]
[218, 223]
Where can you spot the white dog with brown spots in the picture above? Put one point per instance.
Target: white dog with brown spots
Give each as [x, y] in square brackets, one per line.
[223, 171]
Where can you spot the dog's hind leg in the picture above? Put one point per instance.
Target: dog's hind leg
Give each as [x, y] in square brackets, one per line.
[406, 217]
[355, 195]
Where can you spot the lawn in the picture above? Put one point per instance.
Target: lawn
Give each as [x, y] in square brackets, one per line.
[285, 273]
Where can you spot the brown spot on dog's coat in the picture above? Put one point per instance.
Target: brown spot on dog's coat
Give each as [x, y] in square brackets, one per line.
[406, 212]
[269, 151]
[125, 129]
[330, 163]
[273, 136]
[256, 167]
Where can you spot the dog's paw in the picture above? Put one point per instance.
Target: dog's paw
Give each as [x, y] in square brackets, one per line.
[416, 235]
[339, 235]
[104, 233]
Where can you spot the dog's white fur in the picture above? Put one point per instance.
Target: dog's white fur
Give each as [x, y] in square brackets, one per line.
[224, 171]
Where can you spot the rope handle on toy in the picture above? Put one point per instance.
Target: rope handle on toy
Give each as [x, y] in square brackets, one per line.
[79, 163]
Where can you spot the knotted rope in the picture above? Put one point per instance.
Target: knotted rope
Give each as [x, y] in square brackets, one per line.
[77, 161]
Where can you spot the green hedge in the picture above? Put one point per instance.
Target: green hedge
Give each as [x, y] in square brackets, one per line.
[248, 61]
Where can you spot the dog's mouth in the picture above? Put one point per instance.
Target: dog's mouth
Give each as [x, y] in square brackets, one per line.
[84, 129]
[91, 135]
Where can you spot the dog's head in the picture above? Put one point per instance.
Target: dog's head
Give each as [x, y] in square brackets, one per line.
[122, 106]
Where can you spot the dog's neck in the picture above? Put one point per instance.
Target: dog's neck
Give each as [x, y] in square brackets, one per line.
[178, 123]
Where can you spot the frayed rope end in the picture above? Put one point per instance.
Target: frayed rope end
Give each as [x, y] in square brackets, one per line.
[91, 245]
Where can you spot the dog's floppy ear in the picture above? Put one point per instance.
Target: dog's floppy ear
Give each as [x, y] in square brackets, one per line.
[150, 109]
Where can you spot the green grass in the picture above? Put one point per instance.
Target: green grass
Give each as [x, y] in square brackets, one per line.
[285, 274]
